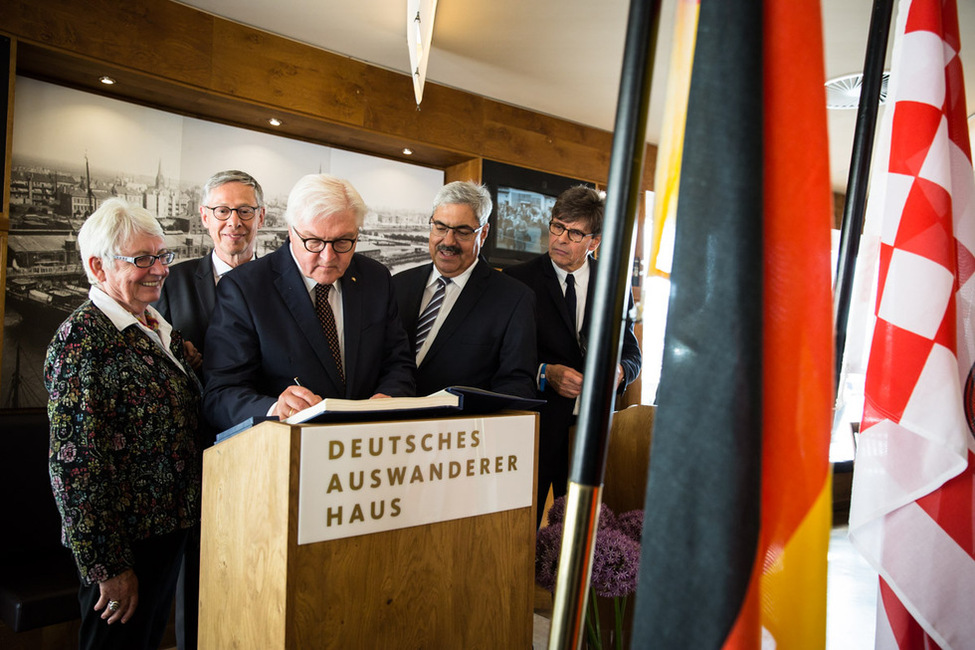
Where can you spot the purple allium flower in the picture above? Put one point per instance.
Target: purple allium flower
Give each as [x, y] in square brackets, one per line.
[557, 512]
[630, 523]
[616, 564]
[548, 547]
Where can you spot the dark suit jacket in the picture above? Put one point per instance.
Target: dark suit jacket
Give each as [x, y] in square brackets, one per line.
[264, 334]
[487, 340]
[557, 343]
[187, 299]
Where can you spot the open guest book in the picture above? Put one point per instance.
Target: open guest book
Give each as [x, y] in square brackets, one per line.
[455, 399]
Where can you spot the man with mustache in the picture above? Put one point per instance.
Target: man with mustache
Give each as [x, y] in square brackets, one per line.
[561, 280]
[313, 313]
[468, 324]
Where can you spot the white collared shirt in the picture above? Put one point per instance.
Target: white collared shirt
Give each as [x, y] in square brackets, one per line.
[219, 267]
[122, 318]
[334, 301]
[451, 293]
[581, 278]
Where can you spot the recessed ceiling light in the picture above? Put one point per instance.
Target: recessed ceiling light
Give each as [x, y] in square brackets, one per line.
[844, 92]
[407, 151]
[108, 81]
[274, 121]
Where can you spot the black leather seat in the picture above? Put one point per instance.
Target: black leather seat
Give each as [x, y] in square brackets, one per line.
[38, 577]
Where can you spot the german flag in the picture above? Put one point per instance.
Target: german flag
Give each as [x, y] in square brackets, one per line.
[738, 501]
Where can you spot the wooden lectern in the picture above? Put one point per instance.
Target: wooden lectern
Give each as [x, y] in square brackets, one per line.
[463, 583]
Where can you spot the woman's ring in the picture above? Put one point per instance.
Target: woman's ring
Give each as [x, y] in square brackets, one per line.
[113, 605]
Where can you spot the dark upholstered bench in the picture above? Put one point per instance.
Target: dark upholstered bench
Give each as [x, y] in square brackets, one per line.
[38, 578]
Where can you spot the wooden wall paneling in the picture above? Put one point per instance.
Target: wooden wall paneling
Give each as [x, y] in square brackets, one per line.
[469, 170]
[184, 60]
[142, 35]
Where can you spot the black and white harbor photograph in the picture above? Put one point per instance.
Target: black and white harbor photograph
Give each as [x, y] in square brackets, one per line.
[72, 150]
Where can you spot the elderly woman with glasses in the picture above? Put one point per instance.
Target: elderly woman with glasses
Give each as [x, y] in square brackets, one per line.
[124, 459]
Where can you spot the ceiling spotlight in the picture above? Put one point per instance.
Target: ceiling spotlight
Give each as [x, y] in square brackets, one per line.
[407, 151]
[274, 121]
[108, 81]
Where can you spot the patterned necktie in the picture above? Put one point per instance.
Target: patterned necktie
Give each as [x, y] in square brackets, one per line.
[325, 315]
[429, 315]
[570, 299]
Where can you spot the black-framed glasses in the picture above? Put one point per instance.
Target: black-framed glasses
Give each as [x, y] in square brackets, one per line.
[577, 236]
[223, 212]
[316, 245]
[462, 233]
[145, 261]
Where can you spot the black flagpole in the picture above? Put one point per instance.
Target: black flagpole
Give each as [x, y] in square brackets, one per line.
[856, 186]
[609, 297]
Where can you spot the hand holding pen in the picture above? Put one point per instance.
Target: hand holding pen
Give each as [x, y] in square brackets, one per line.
[293, 399]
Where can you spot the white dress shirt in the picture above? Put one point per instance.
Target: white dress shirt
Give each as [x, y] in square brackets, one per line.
[451, 293]
[122, 318]
[581, 278]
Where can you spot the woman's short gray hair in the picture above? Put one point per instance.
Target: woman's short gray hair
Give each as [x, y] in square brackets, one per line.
[317, 196]
[109, 229]
[476, 197]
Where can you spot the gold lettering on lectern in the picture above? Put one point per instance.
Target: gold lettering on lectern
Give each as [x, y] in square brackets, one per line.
[428, 442]
[399, 461]
[333, 513]
[376, 510]
[396, 475]
[335, 449]
[434, 472]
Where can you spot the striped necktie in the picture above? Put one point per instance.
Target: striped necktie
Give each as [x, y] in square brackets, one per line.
[429, 315]
[327, 317]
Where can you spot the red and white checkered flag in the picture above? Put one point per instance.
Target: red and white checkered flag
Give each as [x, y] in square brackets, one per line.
[913, 513]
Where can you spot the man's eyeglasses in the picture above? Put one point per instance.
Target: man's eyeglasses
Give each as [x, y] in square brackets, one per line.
[577, 236]
[145, 261]
[223, 212]
[316, 245]
[462, 233]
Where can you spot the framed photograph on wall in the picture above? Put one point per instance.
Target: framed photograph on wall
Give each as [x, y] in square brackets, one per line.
[73, 150]
[523, 200]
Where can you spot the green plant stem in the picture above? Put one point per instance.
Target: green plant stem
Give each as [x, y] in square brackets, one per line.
[592, 622]
[619, 609]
